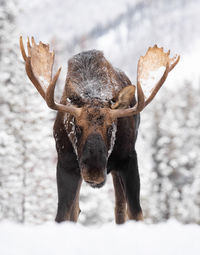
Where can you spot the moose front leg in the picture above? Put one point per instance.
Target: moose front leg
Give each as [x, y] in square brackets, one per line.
[75, 210]
[68, 183]
[120, 200]
[131, 180]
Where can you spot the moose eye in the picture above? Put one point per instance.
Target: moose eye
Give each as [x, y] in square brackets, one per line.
[109, 131]
[79, 131]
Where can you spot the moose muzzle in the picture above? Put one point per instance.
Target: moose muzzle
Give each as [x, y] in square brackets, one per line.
[93, 161]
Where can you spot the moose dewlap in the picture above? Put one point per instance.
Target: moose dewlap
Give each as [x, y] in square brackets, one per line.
[97, 122]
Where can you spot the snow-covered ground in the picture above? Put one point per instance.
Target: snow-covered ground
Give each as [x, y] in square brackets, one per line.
[169, 238]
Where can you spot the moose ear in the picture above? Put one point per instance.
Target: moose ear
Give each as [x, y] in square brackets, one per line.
[124, 98]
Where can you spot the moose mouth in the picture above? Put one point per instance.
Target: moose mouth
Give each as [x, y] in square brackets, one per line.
[96, 178]
[96, 185]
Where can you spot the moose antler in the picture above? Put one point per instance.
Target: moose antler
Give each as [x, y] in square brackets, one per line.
[39, 64]
[153, 62]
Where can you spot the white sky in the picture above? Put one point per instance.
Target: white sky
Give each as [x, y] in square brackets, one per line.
[49, 17]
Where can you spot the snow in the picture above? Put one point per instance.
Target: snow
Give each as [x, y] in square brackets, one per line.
[152, 78]
[92, 81]
[112, 139]
[132, 238]
[44, 82]
[70, 125]
[93, 89]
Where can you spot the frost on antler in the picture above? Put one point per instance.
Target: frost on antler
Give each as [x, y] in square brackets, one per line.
[152, 67]
[152, 72]
[41, 62]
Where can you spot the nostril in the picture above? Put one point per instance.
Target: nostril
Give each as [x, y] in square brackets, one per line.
[91, 151]
[94, 160]
[95, 184]
[91, 183]
[84, 162]
[93, 177]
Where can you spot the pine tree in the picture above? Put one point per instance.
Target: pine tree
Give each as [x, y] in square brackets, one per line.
[175, 150]
[28, 189]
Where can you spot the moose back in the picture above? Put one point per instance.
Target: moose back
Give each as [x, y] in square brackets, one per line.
[97, 123]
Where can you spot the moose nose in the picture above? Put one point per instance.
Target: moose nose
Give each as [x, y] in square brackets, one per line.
[94, 177]
[94, 154]
[93, 161]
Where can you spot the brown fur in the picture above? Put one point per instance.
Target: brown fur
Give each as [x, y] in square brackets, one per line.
[125, 98]
[120, 200]
[75, 210]
[89, 76]
[137, 216]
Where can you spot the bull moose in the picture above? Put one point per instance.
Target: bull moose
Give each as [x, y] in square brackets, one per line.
[97, 123]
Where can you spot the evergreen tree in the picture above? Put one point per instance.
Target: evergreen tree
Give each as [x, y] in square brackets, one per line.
[175, 150]
[28, 190]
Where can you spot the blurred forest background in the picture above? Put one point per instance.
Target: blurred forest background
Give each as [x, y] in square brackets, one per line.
[169, 139]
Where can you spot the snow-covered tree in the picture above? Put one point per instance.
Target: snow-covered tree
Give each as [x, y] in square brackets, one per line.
[175, 150]
[26, 147]
[12, 149]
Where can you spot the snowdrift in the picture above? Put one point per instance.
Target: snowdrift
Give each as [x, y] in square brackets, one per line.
[131, 238]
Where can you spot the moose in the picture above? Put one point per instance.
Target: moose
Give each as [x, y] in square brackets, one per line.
[97, 123]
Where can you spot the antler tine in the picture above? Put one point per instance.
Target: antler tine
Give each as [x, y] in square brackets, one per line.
[140, 97]
[33, 41]
[29, 47]
[174, 64]
[49, 97]
[22, 48]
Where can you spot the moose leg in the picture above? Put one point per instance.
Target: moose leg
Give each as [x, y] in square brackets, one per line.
[131, 180]
[75, 211]
[68, 183]
[120, 200]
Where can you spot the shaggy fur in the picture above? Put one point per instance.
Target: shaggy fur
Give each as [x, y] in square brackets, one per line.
[93, 145]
